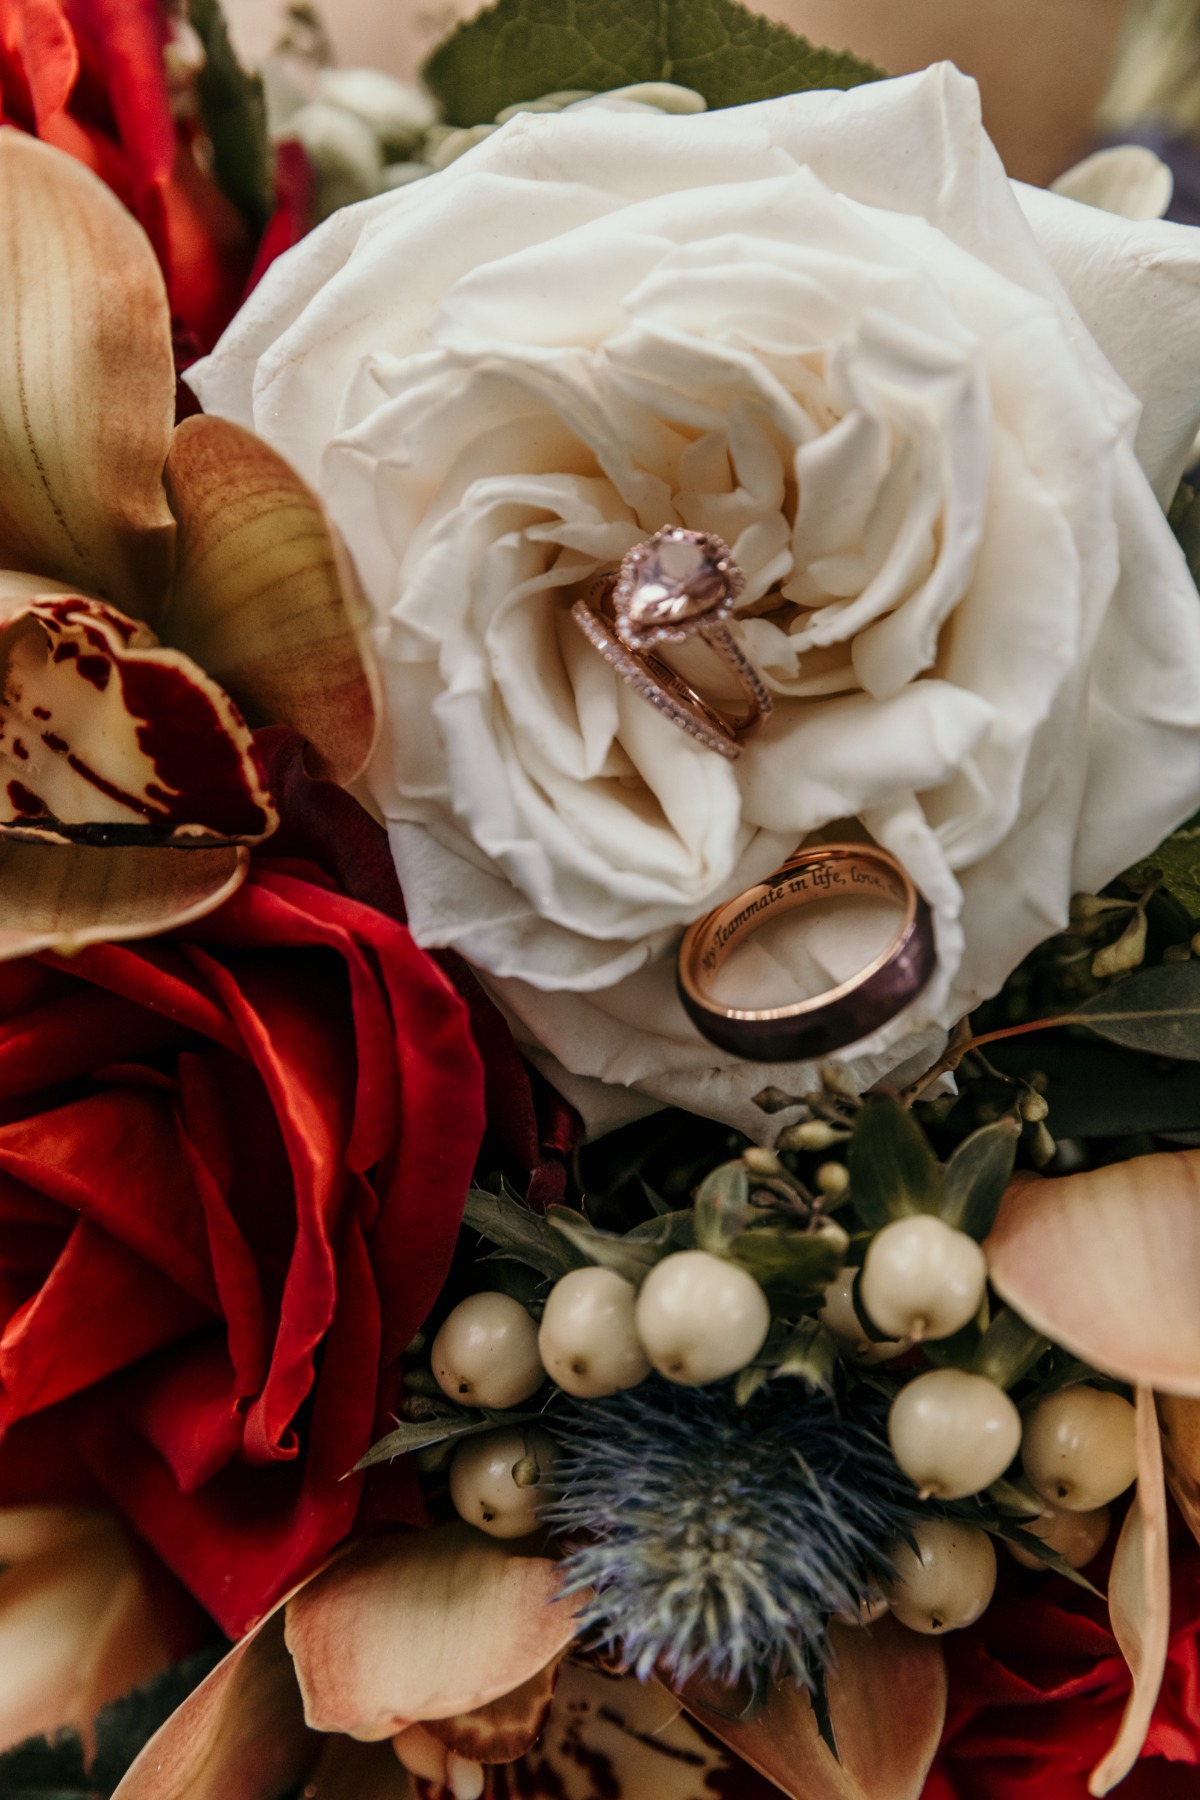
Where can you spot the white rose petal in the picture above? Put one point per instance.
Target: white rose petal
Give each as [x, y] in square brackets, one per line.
[929, 413]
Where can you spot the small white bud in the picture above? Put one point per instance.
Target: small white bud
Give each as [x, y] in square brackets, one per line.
[700, 1317]
[1034, 1108]
[922, 1278]
[953, 1433]
[483, 1486]
[811, 1134]
[1079, 1448]
[833, 1179]
[486, 1353]
[1125, 953]
[947, 1581]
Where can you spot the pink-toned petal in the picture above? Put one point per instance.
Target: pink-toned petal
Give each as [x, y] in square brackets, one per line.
[107, 738]
[239, 1736]
[887, 1703]
[780, 1739]
[421, 1627]
[61, 897]
[505, 1728]
[86, 383]
[265, 596]
[77, 1627]
[1107, 1263]
[1139, 1599]
[1180, 1420]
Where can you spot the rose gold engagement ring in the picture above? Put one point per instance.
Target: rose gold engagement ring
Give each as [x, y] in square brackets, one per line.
[675, 586]
[813, 1028]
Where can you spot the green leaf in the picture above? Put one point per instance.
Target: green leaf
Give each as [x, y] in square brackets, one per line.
[1008, 1349]
[517, 1229]
[974, 1180]
[791, 1267]
[419, 1435]
[1177, 858]
[1155, 1010]
[632, 1258]
[522, 49]
[722, 1207]
[810, 1354]
[1016, 1534]
[669, 1231]
[235, 118]
[893, 1171]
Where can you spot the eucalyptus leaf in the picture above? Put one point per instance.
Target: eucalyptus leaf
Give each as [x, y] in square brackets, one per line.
[974, 1179]
[893, 1171]
[521, 49]
[632, 1258]
[1155, 1010]
[517, 1229]
[1008, 1349]
[722, 1207]
[235, 117]
[791, 1267]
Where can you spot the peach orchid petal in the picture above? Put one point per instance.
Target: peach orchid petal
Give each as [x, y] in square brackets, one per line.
[87, 390]
[265, 598]
[424, 1626]
[1139, 1599]
[1107, 1263]
[106, 738]
[1180, 1421]
[60, 897]
[77, 1628]
[239, 1736]
[505, 1728]
[887, 1702]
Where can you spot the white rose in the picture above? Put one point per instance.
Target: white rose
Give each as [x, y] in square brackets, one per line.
[829, 329]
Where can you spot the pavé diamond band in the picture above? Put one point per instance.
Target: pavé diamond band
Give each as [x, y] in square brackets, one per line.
[677, 585]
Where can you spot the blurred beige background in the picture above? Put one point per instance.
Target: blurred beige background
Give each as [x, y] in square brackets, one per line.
[1041, 64]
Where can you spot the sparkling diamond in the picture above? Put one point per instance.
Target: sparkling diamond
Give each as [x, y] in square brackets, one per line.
[673, 584]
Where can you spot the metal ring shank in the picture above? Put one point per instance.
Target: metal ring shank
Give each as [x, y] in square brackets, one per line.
[812, 1028]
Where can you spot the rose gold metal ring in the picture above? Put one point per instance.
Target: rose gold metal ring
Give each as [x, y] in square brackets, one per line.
[808, 1029]
[675, 586]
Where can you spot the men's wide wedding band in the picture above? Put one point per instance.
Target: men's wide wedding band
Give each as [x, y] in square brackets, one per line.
[809, 1029]
[675, 586]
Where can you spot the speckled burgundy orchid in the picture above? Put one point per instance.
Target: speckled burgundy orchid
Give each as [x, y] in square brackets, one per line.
[162, 589]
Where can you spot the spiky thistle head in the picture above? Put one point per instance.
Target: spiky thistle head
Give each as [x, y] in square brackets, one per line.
[719, 1538]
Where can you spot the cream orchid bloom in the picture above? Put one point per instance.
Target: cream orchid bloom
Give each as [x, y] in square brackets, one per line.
[438, 1666]
[159, 587]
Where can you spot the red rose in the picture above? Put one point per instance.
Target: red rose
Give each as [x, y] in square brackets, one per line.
[90, 77]
[1038, 1687]
[232, 1168]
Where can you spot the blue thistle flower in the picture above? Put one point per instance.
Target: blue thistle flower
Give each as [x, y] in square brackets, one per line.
[718, 1538]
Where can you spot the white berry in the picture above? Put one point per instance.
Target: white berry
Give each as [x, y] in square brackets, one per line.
[588, 1341]
[700, 1317]
[922, 1278]
[947, 1581]
[1077, 1537]
[484, 1488]
[1079, 1448]
[839, 1317]
[486, 1353]
[952, 1433]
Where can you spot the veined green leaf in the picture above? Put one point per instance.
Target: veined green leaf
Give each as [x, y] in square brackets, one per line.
[1155, 1010]
[522, 49]
[722, 1206]
[974, 1180]
[893, 1171]
[632, 1258]
[791, 1267]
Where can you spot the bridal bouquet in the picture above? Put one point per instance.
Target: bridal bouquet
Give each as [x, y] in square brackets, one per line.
[600, 916]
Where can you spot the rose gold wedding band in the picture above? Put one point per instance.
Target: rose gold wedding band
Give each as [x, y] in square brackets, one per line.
[810, 1029]
[676, 585]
